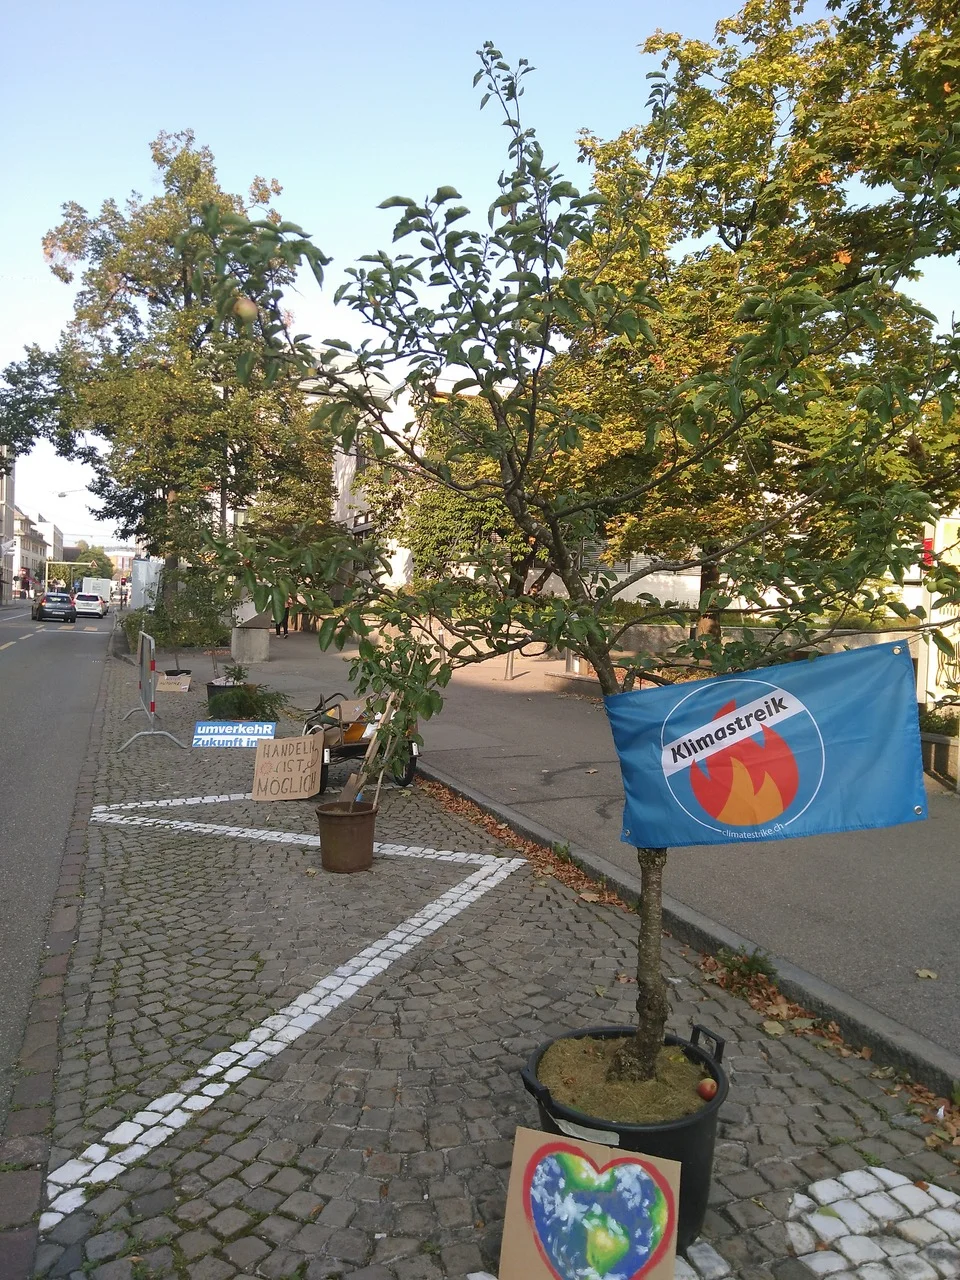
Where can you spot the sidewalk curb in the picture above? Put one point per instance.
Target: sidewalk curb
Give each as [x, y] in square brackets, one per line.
[896, 1045]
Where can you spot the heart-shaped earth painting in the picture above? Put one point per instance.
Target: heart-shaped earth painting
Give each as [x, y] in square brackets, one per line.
[597, 1223]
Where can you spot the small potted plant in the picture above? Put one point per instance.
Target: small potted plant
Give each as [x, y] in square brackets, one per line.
[233, 675]
[238, 700]
[347, 824]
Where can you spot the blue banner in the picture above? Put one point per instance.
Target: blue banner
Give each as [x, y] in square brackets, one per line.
[232, 733]
[831, 744]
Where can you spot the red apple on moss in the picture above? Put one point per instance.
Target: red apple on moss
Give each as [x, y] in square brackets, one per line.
[707, 1088]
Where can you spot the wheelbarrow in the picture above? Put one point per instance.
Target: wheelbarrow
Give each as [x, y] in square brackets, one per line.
[347, 727]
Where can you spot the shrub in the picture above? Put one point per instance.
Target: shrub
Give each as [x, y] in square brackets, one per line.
[939, 722]
[247, 702]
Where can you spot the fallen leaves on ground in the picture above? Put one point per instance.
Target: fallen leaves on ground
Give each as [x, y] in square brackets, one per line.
[925, 973]
[781, 1015]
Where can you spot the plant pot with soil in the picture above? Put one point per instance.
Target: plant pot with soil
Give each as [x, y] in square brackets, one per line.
[639, 1087]
[234, 677]
[673, 1116]
[347, 824]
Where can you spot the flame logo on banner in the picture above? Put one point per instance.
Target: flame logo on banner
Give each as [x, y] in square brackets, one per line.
[749, 782]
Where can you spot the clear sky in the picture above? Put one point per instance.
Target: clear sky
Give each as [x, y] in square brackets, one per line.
[344, 104]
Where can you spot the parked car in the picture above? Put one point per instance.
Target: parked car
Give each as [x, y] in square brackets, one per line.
[87, 602]
[54, 604]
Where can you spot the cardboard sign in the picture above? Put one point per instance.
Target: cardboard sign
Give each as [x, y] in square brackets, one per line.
[231, 733]
[577, 1209]
[288, 768]
[173, 684]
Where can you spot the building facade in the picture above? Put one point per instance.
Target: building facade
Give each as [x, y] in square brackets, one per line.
[123, 556]
[29, 554]
[7, 542]
[53, 537]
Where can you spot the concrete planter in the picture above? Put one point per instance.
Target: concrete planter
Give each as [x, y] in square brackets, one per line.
[249, 644]
[941, 756]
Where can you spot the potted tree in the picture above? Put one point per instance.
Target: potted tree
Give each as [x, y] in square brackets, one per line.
[625, 408]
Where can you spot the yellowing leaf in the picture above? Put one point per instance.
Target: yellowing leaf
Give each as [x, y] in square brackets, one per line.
[774, 1028]
[589, 896]
[925, 973]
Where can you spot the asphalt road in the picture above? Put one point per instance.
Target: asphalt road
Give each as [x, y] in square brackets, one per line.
[49, 678]
[862, 910]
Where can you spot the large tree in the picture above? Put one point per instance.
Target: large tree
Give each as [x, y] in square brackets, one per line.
[98, 563]
[741, 179]
[497, 308]
[168, 409]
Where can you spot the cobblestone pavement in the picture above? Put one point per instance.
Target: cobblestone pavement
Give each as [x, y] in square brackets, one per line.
[366, 1132]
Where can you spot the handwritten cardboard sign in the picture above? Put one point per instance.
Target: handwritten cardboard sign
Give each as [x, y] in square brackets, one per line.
[173, 684]
[288, 768]
[576, 1208]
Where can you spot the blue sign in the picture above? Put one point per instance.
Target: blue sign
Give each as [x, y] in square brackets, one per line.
[832, 744]
[232, 733]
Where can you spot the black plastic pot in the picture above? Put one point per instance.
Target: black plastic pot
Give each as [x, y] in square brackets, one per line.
[689, 1140]
[213, 689]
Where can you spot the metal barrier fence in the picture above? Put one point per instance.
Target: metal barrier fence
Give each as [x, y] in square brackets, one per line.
[147, 667]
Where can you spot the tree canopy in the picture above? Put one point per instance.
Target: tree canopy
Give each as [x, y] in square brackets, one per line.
[99, 563]
[145, 385]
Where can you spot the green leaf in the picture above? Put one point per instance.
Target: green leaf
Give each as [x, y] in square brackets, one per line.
[871, 319]
[398, 202]
[943, 644]
[325, 634]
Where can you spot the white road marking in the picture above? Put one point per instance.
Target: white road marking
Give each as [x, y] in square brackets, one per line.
[268, 836]
[102, 1162]
[8, 644]
[172, 802]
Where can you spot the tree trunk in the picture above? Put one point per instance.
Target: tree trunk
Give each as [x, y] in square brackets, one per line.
[171, 562]
[636, 1059]
[223, 506]
[708, 624]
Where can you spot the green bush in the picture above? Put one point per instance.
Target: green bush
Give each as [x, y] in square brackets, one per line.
[199, 616]
[133, 623]
[247, 702]
[939, 722]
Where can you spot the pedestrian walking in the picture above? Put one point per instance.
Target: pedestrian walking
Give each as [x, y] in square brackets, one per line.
[284, 620]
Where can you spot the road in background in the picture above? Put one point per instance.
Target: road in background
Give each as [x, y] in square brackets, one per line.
[49, 678]
[863, 910]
